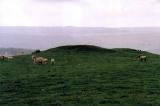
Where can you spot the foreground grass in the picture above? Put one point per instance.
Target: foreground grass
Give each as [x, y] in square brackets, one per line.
[81, 78]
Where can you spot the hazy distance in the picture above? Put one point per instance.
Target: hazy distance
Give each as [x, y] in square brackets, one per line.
[49, 37]
[117, 23]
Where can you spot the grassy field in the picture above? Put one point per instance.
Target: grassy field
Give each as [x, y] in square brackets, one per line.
[81, 76]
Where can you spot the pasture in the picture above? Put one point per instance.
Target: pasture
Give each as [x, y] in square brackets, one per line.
[81, 76]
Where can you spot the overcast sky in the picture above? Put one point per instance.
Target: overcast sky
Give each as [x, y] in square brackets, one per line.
[91, 13]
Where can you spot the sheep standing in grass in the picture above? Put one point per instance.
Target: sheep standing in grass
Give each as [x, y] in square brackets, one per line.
[142, 58]
[42, 60]
[45, 60]
[9, 57]
[52, 60]
[39, 60]
[33, 57]
[2, 58]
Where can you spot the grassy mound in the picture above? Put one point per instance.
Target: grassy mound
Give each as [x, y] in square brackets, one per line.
[82, 76]
[83, 48]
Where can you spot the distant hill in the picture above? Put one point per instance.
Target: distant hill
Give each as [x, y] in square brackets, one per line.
[47, 37]
[15, 51]
[81, 48]
[92, 49]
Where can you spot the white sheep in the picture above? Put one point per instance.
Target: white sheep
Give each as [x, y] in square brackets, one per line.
[142, 58]
[9, 57]
[33, 57]
[2, 58]
[39, 60]
[52, 60]
[45, 60]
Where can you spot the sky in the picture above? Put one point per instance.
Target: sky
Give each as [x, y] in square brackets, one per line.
[81, 13]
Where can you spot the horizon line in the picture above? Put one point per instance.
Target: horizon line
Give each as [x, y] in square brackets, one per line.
[87, 26]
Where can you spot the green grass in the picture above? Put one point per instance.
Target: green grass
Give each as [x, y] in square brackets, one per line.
[82, 76]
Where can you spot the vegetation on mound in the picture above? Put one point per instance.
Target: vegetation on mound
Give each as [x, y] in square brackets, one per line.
[82, 48]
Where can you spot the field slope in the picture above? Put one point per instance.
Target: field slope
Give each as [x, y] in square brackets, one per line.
[82, 76]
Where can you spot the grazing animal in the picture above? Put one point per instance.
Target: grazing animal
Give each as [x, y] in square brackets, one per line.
[52, 60]
[9, 57]
[33, 57]
[45, 60]
[2, 58]
[142, 58]
[39, 60]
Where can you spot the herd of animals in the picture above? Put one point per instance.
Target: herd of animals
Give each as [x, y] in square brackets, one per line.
[43, 60]
[6, 57]
[35, 59]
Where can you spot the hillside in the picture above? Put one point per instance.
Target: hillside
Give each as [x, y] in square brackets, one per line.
[83, 75]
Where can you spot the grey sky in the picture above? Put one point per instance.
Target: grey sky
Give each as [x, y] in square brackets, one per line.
[94, 13]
